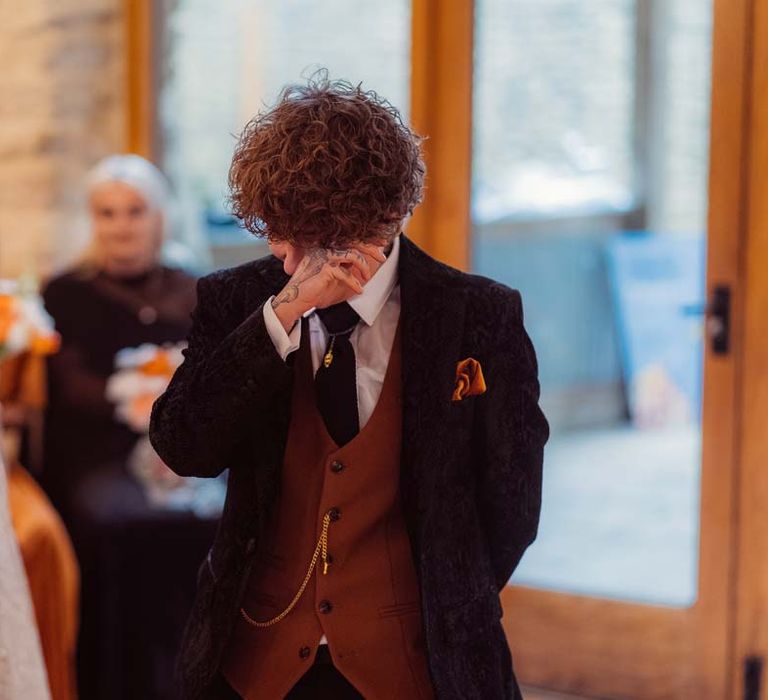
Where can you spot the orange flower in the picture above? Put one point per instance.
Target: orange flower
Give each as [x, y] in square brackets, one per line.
[158, 365]
[41, 344]
[141, 406]
[469, 379]
[8, 315]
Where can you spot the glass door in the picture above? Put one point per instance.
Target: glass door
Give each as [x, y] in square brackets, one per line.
[592, 174]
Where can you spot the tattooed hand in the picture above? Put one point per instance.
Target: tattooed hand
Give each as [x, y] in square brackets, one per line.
[327, 276]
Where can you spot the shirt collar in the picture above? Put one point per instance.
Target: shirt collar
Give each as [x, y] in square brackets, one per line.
[377, 290]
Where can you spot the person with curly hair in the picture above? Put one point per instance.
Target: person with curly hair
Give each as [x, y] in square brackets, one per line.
[378, 414]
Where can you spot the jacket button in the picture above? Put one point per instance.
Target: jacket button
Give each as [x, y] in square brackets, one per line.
[304, 652]
[325, 606]
[334, 514]
[336, 467]
[250, 546]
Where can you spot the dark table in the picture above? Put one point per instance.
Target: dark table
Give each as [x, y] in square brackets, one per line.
[139, 566]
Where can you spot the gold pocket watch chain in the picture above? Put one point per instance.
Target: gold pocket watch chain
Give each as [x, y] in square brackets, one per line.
[320, 549]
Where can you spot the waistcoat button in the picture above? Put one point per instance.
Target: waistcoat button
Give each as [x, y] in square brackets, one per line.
[304, 652]
[325, 606]
[334, 514]
[336, 467]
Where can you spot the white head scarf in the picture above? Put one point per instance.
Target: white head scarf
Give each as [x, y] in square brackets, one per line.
[183, 242]
[136, 172]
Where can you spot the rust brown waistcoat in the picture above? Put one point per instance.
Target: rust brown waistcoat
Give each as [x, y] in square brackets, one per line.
[368, 603]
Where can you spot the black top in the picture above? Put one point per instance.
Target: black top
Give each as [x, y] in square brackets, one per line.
[98, 314]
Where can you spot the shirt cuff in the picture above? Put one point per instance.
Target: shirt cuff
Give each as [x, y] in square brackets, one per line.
[285, 343]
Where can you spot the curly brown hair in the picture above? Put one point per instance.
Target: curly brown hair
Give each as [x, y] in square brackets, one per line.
[329, 164]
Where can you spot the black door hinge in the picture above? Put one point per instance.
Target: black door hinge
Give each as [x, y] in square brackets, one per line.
[753, 677]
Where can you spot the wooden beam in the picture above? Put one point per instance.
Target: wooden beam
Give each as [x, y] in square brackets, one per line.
[441, 110]
[140, 50]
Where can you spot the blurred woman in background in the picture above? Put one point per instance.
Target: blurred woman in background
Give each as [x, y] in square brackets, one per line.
[119, 296]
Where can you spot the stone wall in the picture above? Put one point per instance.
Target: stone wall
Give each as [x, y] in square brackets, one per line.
[62, 106]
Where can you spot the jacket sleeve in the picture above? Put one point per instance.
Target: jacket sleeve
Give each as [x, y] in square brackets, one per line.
[220, 394]
[512, 432]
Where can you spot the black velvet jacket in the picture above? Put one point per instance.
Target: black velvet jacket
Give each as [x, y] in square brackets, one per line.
[470, 469]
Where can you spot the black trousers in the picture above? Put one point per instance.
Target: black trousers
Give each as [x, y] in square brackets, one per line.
[322, 681]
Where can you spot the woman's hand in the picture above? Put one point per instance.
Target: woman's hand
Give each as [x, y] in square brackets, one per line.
[327, 276]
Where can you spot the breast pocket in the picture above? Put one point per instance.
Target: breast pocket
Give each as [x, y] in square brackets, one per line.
[464, 407]
[459, 422]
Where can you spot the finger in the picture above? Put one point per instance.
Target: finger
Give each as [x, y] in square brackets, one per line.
[361, 272]
[375, 250]
[373, 256]
[348, 255]
[357, 262]
[348, 279]
[373, 247]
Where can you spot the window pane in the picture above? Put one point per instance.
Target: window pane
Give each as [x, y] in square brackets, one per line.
[554, 102]
[226, 60]
[591, 133]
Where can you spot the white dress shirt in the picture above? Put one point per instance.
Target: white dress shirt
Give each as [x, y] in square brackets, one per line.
[379, 309]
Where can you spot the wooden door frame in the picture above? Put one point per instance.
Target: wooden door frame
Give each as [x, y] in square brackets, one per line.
[616, 649]
[141, 48]
[441, 109]
[751, 598]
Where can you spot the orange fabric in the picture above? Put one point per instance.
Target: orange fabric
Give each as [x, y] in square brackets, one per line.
[374, 627]
[22, 380]
[53, 575]
[469, 379]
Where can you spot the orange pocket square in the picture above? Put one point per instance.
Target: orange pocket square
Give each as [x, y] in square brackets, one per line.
[469, 379]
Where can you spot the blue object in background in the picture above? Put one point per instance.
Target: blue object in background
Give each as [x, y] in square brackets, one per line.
[657, 283]
[566, 301]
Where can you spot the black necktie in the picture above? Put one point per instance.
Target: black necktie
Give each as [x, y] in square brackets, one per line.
[336, 378]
